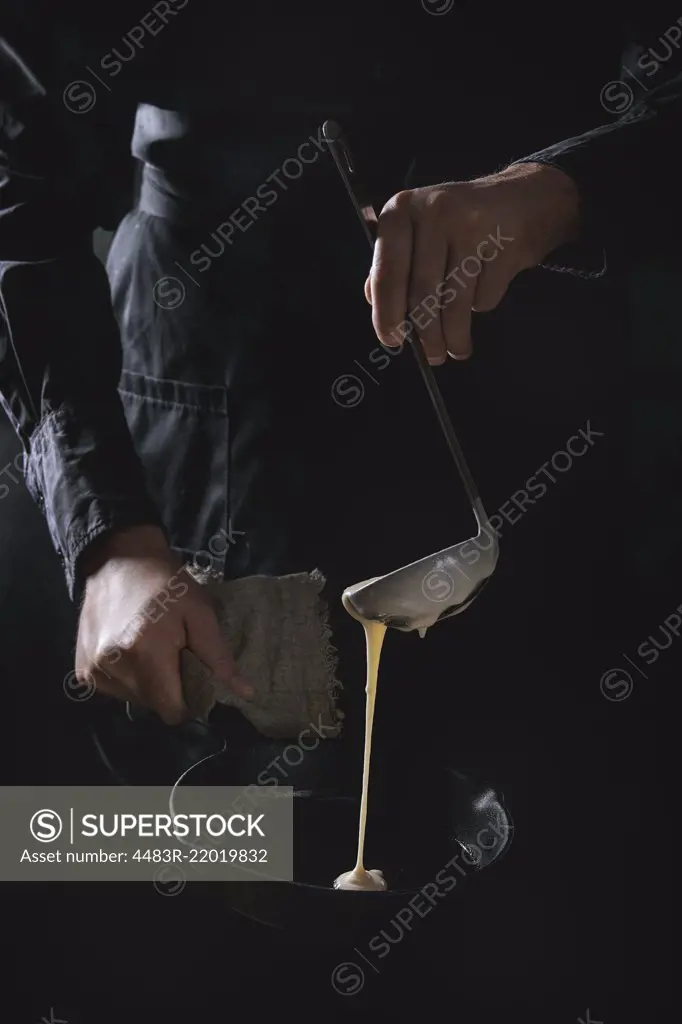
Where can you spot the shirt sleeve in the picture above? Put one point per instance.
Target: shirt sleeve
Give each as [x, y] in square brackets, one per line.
[627, 174]
[60, 351]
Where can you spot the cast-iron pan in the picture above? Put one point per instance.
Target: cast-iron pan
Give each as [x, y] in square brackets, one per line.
[427, 823]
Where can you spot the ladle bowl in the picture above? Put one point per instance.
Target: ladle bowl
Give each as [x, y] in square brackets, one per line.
[431, 589]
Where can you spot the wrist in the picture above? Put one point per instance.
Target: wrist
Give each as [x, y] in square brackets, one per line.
[556, 219]
[130, 542]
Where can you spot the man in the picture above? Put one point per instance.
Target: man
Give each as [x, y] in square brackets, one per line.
[120, 544]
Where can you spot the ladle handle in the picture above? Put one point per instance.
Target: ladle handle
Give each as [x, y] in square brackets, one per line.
[345, 165]
[443, 417]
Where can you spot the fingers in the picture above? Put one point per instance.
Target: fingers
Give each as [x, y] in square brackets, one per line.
[415, 272]
[98, 680]
[143, 664]
[389, 278]
[159, 686]
[438, 258]
[205, 640]
[429, 261]
[456, 310]
[149, 677]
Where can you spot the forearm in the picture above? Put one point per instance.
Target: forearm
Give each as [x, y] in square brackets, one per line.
[60, 351]
[60, 362]
[58, 381]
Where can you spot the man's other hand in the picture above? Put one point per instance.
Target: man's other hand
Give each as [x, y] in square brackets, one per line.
[141, 608]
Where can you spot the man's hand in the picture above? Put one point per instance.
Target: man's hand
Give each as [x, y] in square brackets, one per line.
[448, 249]
[141, 608]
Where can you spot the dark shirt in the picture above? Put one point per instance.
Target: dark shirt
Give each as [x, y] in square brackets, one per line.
[193, 92]
[75, 87]
[628, 179]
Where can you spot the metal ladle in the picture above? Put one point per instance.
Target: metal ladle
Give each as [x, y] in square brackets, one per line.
[445, 583]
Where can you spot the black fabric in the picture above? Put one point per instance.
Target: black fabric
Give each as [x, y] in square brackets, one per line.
[231, 383]
[237, 101]
[65, 167]
[627, 175]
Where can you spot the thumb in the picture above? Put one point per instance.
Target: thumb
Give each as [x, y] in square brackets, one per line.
[204, 640]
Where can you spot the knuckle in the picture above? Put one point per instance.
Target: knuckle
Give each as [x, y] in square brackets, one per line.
[101, 660]
[448, 195]
[147, 653]
[398, 204]
[435, 199]
[458, 200]
[133, 628]
[109, 658]
[475, 219]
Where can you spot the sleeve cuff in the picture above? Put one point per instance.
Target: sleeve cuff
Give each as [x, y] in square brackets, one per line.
[626, 173]
[87, 484]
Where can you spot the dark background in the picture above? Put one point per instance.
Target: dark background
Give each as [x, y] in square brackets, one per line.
[577, 915]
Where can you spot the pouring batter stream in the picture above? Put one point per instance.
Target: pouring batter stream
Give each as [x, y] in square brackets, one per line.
[359, 878]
